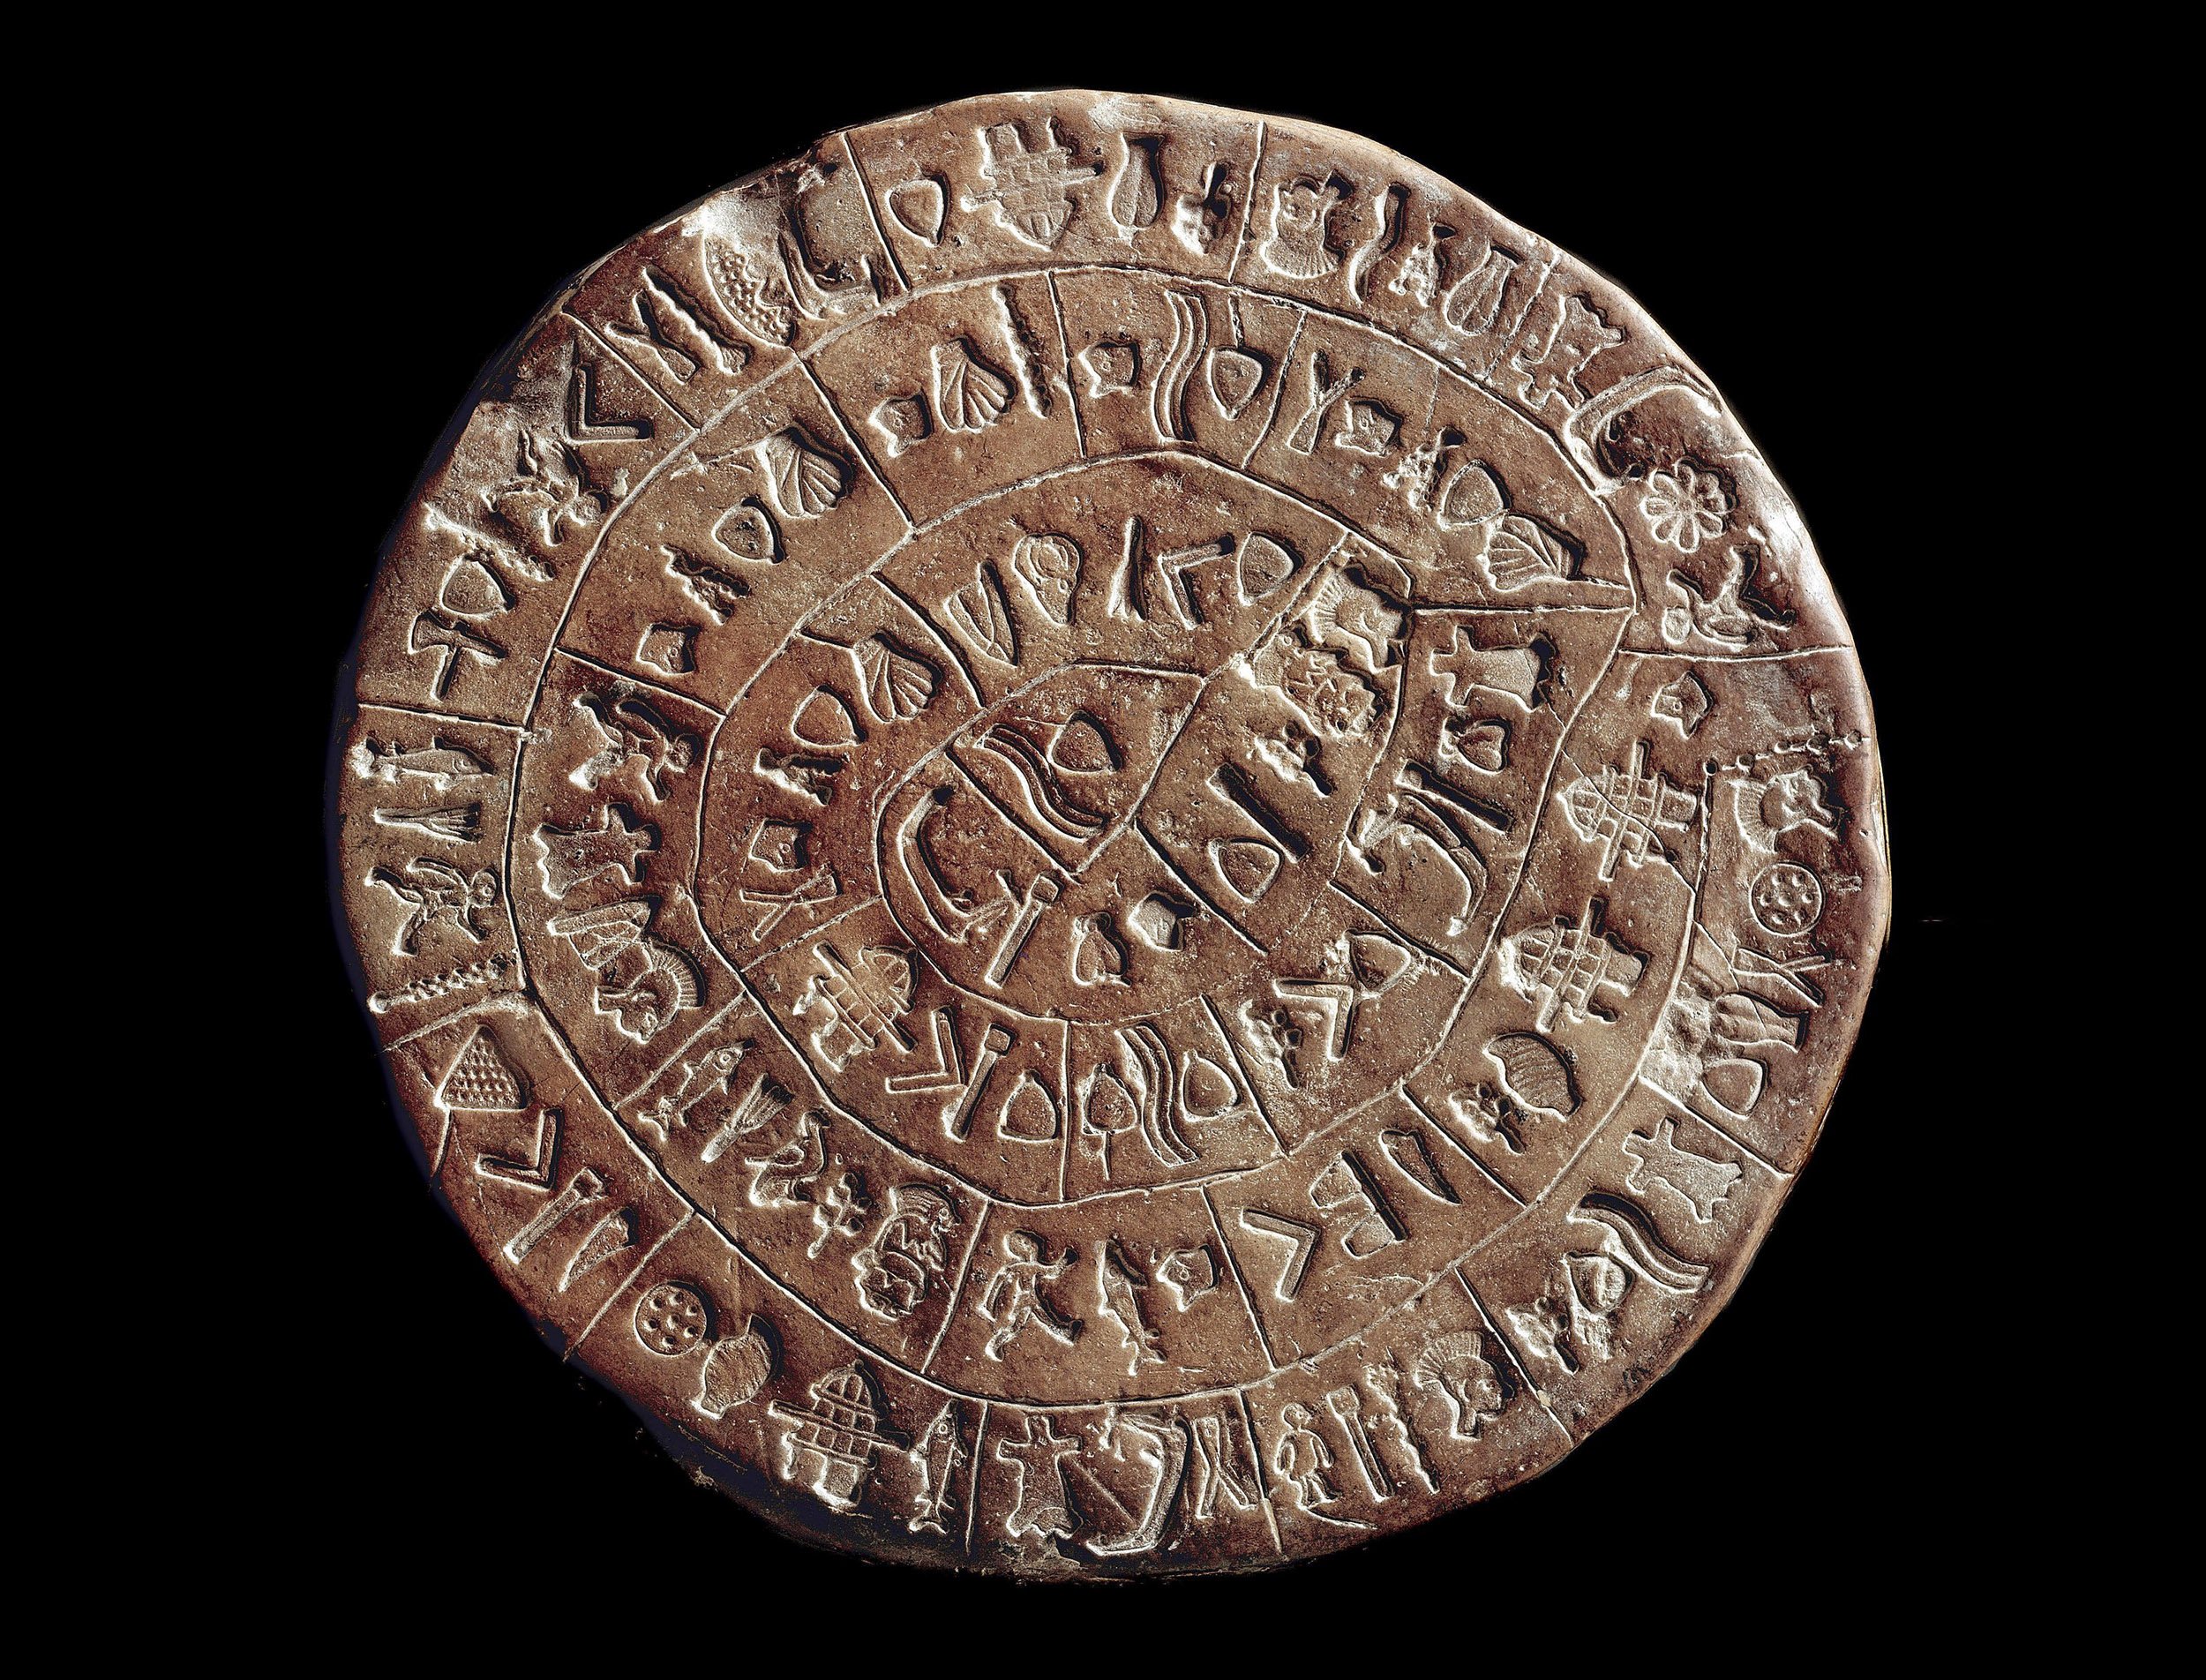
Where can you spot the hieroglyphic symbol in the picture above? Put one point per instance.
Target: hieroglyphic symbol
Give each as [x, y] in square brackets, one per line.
[1730, 615]
[1522, 673]
[1099, 955]
[772, 904]
[1302, 1240]
[1298, 245]
[1346, 1402]
[948, 1071]
[1200, 219]
[825, 720]
[833, 1445]
[1411, 1151]
[611, 1234]
[1041, 893]
[1013, 1300]
[957, 1115]
[907, 1254]
[483, 1078]
[1418, 275]
[748, 532]
[1786, 899]
[1029, 1113]
[1188, 1273]
[791, 1175]
[1768, 807]
[1190, 339]
[1302, 1460]
[435, 894]
[1566, 967]
[919, 207]
[824, 292]
[536, 1171]
[1387, 217]
[1028, 361]
[1534, 1074]
[1573, 1318]
[1351, 1198]
[783, 1178]
[1684, 506]
[737, 1368]
[1368, 428]
[673, 647]
[1127, 600]
[1160, 1447]
[1683, 703]
[1422, 809]
[859, 1001]
[901, 422]
[979, 613]
[566, 858]
[1157, 920]
[750, 292]
[1113, 365]
[838, 1211]
[671, 325]
[463, 977]
[584, 422]
[456, 824]
[549, 495]
[1047, 567]
[1472, 305]
[1219, 1470]
[642, 982]
[712, 587]
[1461, 493]
[442, 763]
[1040, 1505]
[1119, 1287]
[1550, 364]
[634, 733]
[706, 1077]
[970, 394]
[935, 1456]
[1136, 192]
[1343, 613]
[1621, 810]
[452, 630]
[1325, 391]
[1454, 1366]
[1317, 682]
[1028, 190]
[957, 914]
[803, 479]
[761, 1103]
[1236, 374]
[806, 775]
[1703, 1182]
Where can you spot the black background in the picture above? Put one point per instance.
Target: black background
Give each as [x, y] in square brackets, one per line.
[1807, 1459]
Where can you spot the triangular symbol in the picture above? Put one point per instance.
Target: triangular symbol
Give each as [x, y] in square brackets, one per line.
[483, 1080]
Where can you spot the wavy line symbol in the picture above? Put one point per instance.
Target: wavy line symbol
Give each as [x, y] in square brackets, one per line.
[1190, 338]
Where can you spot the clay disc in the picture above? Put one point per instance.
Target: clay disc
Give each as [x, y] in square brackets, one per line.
[1104, 838]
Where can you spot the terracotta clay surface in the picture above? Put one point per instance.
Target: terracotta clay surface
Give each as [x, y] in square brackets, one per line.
[1105, 837]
